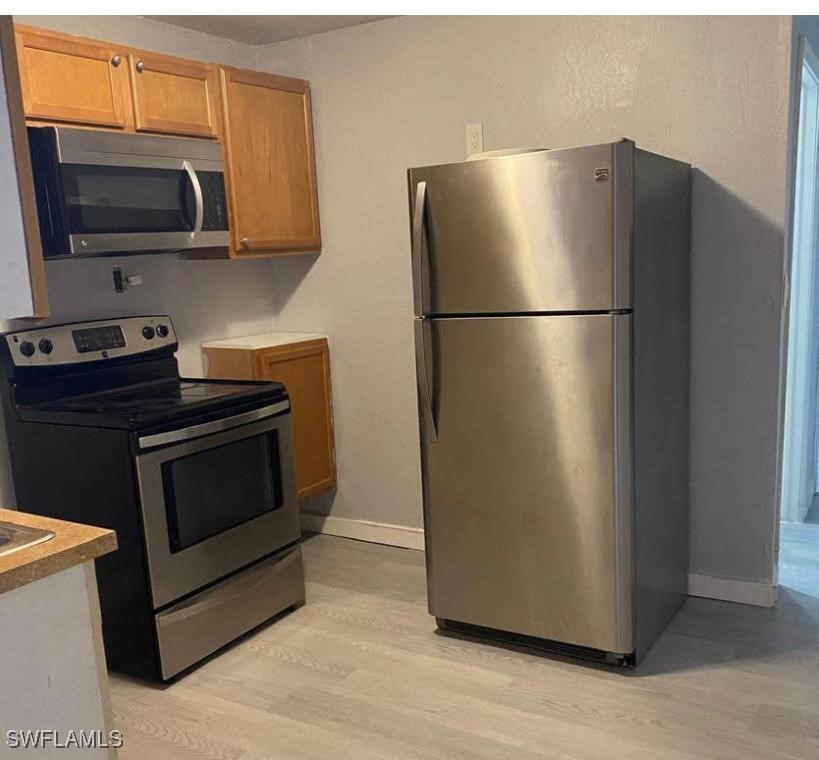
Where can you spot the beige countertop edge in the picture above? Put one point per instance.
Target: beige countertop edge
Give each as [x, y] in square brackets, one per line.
[264, 340]
[73, 544]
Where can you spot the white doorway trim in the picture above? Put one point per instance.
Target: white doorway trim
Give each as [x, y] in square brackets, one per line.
[797, 143]
[802, 378]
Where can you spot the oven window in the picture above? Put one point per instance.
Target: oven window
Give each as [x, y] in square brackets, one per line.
[114, 199]
[216, 489]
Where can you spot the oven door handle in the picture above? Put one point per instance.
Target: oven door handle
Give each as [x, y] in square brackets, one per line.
[216, 426]
[197, 194]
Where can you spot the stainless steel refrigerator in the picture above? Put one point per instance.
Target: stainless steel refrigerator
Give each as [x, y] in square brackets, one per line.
[551, 336]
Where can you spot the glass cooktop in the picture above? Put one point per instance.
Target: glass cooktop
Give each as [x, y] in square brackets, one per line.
[138, 400]
[166, 399]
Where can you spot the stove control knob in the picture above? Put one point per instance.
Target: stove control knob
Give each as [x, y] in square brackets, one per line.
[46, 346]
[162, 330]
[148, 332]
[27, 348]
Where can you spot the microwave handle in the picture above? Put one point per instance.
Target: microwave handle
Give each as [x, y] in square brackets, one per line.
[197, 194]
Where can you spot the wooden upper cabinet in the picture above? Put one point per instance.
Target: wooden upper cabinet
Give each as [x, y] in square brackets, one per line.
[173, 95]
[268, 140]
[96, 84]
[70, 79]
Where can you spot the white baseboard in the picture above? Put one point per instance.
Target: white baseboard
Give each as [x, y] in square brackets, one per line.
[364, 530]
[710, 586]
[757, 593]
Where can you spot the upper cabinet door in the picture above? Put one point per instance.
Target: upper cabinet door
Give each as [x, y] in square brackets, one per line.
[174, 96]
[268, 139]
[68, 79]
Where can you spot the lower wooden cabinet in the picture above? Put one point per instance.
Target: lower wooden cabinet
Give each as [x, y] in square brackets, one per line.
[303, 365]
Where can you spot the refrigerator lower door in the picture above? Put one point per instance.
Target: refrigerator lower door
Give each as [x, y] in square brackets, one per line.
[527, 476]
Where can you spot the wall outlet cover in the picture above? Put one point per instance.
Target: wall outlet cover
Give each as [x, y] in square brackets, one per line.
[474, 139]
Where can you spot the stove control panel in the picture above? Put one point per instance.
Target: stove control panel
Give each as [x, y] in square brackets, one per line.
[89, 341]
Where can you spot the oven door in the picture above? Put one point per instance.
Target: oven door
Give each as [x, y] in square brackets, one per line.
[213, 502]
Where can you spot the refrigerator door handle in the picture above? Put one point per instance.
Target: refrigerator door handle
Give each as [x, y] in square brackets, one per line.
[424, 392]
[418, 246]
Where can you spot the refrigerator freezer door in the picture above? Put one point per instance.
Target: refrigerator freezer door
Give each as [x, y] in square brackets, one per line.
[537, 232]
[527, 491]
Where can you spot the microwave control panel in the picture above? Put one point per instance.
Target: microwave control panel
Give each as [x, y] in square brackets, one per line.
[214, 200]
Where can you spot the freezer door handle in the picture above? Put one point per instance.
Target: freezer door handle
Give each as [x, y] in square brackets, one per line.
[419, 212]
[425, 392]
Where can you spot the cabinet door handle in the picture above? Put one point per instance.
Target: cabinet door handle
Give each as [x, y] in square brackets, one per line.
[140, 66]
[245, 243]
[116, 60]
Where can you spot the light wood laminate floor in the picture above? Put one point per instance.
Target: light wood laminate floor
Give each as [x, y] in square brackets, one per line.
[360, 673]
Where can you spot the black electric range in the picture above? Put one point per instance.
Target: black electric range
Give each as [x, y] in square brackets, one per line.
[197, 478]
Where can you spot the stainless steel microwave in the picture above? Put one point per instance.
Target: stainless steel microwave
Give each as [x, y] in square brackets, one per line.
[109, 193]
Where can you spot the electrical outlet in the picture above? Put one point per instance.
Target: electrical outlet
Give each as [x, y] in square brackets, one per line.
[474, 139]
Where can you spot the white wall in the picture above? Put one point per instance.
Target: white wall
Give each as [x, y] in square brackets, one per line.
[397, 93]
[205, 299]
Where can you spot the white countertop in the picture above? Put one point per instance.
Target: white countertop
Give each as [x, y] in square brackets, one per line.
[263, 340]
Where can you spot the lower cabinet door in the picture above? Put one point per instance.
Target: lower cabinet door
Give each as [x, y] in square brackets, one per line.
[305, 370]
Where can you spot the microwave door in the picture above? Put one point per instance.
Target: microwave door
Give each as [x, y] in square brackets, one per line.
[126, 208]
